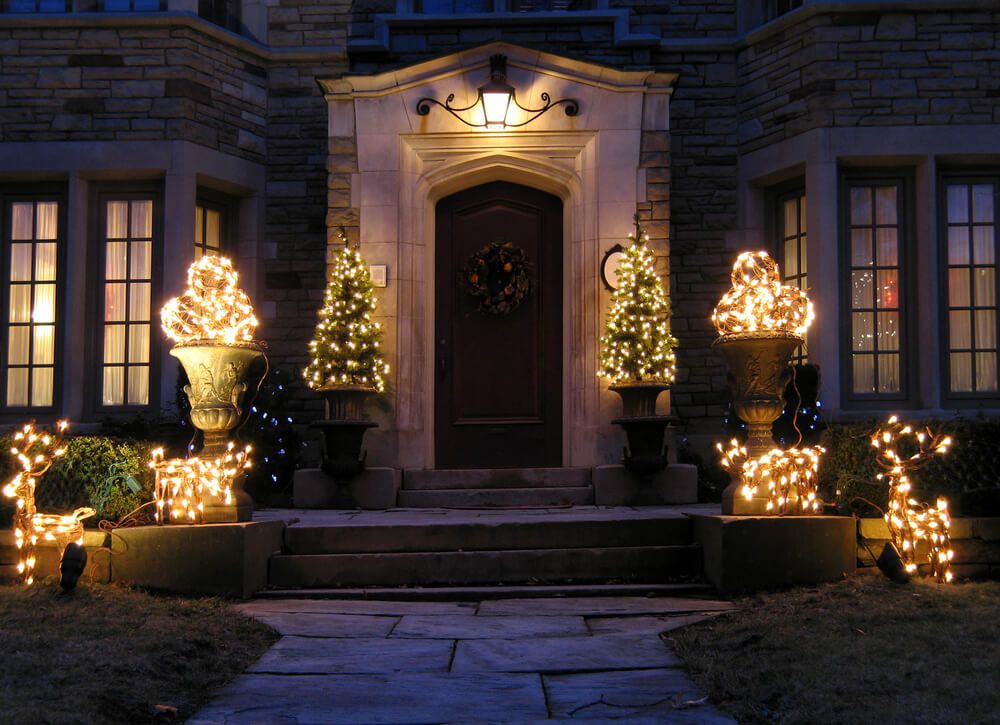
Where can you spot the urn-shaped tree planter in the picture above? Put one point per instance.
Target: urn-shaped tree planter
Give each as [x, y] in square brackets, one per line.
[347, 366]
[637, 354]
[213, 323]
[760, 323]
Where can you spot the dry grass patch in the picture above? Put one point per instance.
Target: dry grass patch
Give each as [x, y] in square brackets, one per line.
[862, 650]
[106, 654]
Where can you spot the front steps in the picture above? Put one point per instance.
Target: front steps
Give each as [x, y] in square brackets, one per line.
[496, 488]
[435, 547]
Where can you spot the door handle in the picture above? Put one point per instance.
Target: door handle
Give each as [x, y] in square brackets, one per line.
[442, 359]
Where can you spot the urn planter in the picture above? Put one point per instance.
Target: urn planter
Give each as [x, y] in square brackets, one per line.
[758, 373]
[217, 384]
[646, 453]
[344, 429]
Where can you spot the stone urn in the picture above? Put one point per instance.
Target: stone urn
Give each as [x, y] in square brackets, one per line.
[758, 373]
[344, 428]
[646, 453]
[217, 383]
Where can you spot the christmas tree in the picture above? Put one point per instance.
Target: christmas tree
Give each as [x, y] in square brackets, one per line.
[345, 348]
[637, 345]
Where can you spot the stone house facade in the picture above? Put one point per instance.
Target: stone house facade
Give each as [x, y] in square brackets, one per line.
[855, 140]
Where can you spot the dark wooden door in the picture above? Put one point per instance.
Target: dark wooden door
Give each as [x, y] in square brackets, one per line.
[498, 390]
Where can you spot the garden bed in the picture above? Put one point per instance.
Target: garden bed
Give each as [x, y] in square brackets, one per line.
[106, 654]
[861, 650]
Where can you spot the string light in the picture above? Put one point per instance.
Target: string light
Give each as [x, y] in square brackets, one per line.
[36, 451]
[637, 344]
[183, 484]
[909, 520]
[759, 302]
[345, 348]
[791, 477]
[213, 308]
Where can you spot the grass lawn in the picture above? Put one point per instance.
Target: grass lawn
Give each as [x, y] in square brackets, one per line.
[106, 654]
[859, 651]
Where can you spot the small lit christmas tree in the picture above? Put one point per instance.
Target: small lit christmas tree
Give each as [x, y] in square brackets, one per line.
[345, 348]
[637, 345]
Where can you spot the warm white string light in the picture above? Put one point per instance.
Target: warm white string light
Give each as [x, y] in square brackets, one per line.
[759, 302]
[637, 345]
[36, 451]
[346, 346]
[213, 308]
[183, 484]
[790, 477]
[910, 521]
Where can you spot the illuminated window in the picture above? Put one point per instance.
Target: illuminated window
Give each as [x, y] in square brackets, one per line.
[970, 239]
[127, 264]
[32, 246]
[790, 225]
[36, 6]
[874, 251]
[208, 230]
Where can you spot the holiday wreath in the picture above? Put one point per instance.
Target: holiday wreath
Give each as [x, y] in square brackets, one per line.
[498, 276]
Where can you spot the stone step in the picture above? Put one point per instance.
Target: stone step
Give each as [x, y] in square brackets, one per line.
[482, 593]
[486, 534]
[497, 497]
[421, 480]
[638, 563]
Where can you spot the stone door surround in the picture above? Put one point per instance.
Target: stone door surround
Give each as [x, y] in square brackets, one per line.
[406, 162]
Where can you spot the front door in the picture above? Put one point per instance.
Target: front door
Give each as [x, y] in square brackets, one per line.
[498, 390]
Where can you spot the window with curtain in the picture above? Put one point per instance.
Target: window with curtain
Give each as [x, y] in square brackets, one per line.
[970, 231]
[32, 241]
[790, 216]
[127, 265]
[875, 254]
[208, 229]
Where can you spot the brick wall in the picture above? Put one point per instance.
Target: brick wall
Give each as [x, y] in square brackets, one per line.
[871, 69]
[298, 23]
[131, 83]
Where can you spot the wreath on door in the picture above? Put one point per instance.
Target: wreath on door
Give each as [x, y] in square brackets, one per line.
[498, 276]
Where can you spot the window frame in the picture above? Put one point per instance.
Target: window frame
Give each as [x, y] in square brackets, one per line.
[226, 206]
[949, 398]
[903, 179]
[95, 312]
[34, 193]
[774, 231]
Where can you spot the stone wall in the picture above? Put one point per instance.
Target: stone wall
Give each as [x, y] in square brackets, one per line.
[130, 83]
[298, 23]
[870, 69]
[682, 18]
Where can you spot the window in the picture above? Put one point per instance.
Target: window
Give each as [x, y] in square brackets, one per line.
[970, 242]
[37, 6]
[32, 243]
[875, 252]
[790, 216]
[461, 7]
[776, 8]
[209, 231]
[224, 13]
[138, 6]
[127, 232]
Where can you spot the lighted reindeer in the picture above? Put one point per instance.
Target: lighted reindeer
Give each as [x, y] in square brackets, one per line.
[36, 451]
[901, 451]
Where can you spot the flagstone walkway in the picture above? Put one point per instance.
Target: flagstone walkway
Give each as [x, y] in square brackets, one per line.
[512, 660]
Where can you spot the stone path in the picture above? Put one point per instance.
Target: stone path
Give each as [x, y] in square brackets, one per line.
[513, 660]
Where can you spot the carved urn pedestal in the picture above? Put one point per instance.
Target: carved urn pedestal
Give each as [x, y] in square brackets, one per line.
[758, 373]
[217, 383]
[344, 429]
[646, 453]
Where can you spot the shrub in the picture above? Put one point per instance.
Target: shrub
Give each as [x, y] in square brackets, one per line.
[107, 474]
[967, 475]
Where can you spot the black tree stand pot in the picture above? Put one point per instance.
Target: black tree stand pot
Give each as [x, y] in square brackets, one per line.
[342, 454]
[646, 454]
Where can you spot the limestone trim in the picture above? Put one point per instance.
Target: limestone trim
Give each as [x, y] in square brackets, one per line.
[405, 163]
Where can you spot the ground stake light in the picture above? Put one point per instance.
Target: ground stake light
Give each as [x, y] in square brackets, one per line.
[213, 324]
[902, 450]
[760, 322]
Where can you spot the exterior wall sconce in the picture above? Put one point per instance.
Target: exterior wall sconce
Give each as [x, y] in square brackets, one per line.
[496, 98]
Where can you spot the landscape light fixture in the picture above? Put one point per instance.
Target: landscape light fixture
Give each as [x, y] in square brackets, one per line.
[496, 98]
